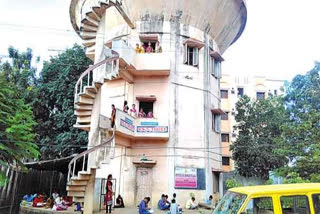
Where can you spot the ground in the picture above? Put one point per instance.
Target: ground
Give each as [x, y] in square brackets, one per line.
[135, 211]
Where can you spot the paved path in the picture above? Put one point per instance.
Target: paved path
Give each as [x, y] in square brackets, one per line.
[135, 211]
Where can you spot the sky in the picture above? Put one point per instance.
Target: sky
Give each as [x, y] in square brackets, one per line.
[281, 38]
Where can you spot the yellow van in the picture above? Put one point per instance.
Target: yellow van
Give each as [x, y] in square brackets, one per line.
[269, 199]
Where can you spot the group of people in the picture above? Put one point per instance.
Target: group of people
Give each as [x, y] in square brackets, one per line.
[173, 207]
[148, 48]
[55, 202]
[132, 112]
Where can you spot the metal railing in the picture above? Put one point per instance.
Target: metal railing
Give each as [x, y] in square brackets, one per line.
[83, 155]
[87, 79]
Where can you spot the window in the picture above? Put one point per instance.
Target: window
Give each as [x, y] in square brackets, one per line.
[225, 161]
[191, 55]
[295, 204]
[224, 94]
[225, 116]
[216, 122]
[259, 205]
[146, 106]
[260, 95]
[240, 92]
[316, 203]
[275, 92]
[225, 137]
[215, 67]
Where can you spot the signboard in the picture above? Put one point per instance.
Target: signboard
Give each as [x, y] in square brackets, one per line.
[185, 178]
[127, 123]
[149, 123]
[152, 129]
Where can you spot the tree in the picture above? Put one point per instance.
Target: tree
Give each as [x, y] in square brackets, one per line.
[54, 108]
[16, 128]
[301, 135]
[259, 129]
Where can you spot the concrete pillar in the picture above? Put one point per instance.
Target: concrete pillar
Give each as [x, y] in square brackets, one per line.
[89, 194]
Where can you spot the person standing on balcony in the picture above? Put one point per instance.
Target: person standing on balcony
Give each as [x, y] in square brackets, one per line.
[158, 47]
[125, 107]
[142, 48]
[149, 48]
[141, 113]
[109, 194]
[113, 115]
[133, 111]
[137, 48]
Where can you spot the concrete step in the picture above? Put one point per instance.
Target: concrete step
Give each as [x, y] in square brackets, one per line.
[90, 54]
[88, 28]
[82, 113]
[85, 100]
[90, 89]
[78, 183]
[89, 42]
[88, 94]
[88, 35]
[76, 188]
[83, 107]
[90, 21]
[83, 119]
[92, 14]
[84, 127]
[76, 194]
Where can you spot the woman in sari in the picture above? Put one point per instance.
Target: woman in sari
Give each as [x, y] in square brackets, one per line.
[109, 194]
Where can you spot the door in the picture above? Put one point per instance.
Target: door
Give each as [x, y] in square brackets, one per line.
[143, 183]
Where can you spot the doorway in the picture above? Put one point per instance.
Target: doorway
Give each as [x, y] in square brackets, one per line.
[143, 183]
[216, 178]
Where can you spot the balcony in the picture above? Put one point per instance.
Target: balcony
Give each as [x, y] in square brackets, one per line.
[140, 128]
[144, 64]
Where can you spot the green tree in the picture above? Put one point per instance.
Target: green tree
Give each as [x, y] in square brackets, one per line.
[301, 135]
[259, 129]
[54, 108]
[16, 128]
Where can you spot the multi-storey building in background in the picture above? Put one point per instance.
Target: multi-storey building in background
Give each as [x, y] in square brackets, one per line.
[232, 88]
[178, 149]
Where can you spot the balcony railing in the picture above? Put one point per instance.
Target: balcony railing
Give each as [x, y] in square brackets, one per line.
[146, 64]
[141, 128]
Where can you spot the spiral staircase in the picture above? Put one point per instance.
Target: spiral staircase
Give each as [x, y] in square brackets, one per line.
[91, 14]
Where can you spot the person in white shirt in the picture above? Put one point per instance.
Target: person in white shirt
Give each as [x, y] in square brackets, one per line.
[191, 205]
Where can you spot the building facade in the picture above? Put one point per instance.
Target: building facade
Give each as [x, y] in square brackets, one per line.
[178, 149]
[233, 87]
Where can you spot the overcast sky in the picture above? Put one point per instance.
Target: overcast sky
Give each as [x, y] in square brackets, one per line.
[281, 39]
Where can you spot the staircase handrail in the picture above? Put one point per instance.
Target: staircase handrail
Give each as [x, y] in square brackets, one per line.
[84, 153]
[91, 68]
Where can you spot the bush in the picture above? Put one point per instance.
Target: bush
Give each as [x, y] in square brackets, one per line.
[232, 182]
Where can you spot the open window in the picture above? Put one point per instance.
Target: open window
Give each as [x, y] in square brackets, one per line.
[224, 94]
[226, 161]
[146, 38]
[146, 106]
[216, 119]
[260, 95]
[215, 64]
[225, 116]
[240, 92]
[191, 51]
[225, 138]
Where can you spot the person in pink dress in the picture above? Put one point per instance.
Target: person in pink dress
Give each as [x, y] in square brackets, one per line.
[133, 111]
[149, 48]
[141, 113]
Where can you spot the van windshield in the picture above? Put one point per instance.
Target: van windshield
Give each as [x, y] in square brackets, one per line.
[230, 203]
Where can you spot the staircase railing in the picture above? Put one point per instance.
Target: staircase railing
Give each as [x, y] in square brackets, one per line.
[86, 78]
[73, 162]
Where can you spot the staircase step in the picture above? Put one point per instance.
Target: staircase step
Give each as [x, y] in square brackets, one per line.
[84, 119]
[76, 194]
[88, 28]
[88, 94]
[90, 89]
[88, 35]
[90, 21]
[85, 100]
[82, 113]
[89, 42]
[85, 127]
[77, 183]
[90, 54]
[83, 107]
[76, 188]
[92, 14]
